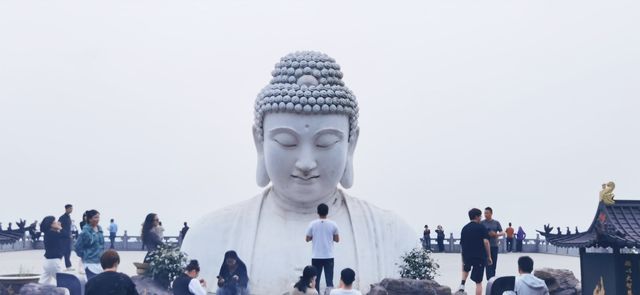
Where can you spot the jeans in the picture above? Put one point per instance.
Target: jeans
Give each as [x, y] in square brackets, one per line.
[112, 238]
[509, 244]
[519, 245]
[66, 251]
[327, 265]
[491, 269]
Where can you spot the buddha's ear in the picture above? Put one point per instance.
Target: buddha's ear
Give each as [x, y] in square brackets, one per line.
[347, 177]
[262, 178]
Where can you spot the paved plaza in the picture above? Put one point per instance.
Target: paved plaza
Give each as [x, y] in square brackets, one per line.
[449, 274]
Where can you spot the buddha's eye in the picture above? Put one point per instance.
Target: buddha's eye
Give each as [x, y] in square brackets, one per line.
[286, 140]
[327, 140]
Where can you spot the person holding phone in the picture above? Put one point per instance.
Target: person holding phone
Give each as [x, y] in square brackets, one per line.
[233, 278]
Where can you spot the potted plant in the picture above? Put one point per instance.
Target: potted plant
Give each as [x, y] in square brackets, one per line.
[11, 283]
[165, 264]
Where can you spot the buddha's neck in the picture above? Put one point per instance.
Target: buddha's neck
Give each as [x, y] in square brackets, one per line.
[287, 205]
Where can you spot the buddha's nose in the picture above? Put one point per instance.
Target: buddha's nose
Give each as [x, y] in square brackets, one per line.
[306, 164]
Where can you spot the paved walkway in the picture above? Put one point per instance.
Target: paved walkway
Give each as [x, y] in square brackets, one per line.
[450, 264]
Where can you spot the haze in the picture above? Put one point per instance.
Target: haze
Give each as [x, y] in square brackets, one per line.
[132, 107]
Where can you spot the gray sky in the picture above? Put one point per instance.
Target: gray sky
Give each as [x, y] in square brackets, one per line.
[138, 106]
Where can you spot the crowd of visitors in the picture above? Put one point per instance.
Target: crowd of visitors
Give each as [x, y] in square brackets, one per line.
[479, 243]
[511, 238]
[478, 240]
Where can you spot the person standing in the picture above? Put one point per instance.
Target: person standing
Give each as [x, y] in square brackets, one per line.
[149, 235]
[90, 244]
[110, 281]
[113, 230]
[510, 233]
[426, 238]
[520, 236]
[323, 232]
[65, 222]
[495, 232]
[183, 233]
[440, 238]
[53, 249]
[84, 220]
[476, 251]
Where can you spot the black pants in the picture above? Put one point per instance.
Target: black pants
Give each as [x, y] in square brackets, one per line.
[327, 265]
[112, 238]
[491, 269]
[440, 245]
[66, 251]
[509, 244]
[518, 245]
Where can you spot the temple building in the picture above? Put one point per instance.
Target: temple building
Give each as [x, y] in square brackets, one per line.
[609, 259]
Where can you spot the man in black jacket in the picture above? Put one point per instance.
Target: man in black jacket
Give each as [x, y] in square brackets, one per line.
[65, 221]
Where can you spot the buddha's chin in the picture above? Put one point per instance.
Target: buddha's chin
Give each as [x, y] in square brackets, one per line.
[308, 193]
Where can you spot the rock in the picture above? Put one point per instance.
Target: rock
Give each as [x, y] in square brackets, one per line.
[147, 286]
[559, 281]
[39, 289]
[408, 287]
[377, 290]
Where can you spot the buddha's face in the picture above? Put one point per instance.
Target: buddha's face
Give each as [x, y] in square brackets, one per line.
[305, 156]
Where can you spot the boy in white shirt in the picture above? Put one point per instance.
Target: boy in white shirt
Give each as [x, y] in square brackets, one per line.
[347, 277]
[323, 233]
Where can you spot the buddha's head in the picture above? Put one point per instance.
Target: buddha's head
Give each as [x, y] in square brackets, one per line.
[306, 129]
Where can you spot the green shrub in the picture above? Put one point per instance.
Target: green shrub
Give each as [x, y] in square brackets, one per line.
[418, 264]
[165, 264]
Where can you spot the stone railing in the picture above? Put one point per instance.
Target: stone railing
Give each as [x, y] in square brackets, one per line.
[121, 243]
[537, 245]
[451, 245]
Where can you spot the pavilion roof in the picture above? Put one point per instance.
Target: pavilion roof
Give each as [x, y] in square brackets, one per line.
[615, 226]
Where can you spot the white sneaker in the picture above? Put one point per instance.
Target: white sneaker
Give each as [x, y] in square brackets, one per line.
[70, 269]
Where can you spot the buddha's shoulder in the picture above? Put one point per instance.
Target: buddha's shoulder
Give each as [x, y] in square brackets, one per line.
[374, 212]
[355, 203]
[386, 222]
[232, 212]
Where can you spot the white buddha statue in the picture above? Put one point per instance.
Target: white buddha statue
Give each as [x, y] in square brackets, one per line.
[305, 132]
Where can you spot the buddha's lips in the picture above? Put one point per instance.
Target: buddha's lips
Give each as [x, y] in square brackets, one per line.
[305, 178]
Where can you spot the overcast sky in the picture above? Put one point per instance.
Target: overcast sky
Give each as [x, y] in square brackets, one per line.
[132, 107]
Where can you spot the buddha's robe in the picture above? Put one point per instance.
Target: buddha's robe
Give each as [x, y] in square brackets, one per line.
[271, 241]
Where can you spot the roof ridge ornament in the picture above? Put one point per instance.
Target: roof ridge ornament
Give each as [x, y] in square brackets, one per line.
[606, 194]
